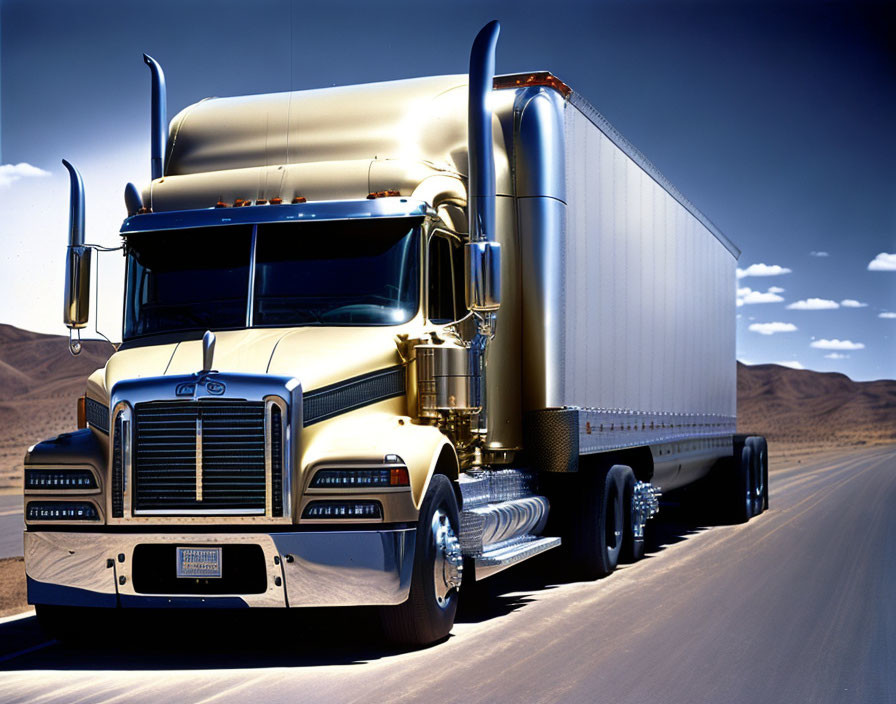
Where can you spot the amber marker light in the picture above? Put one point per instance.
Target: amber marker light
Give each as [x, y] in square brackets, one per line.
[299, 199]
[82, 412]
[537, 78]
[383, 194]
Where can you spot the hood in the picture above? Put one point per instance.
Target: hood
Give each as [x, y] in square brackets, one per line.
[316, 356]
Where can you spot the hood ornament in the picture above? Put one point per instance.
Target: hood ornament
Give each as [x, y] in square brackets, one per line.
[208, 351]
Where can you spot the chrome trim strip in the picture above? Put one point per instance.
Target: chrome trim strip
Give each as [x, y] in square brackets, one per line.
[201, 512]
[259, 214]
[198, 457]
[124, 409]
[250, 299]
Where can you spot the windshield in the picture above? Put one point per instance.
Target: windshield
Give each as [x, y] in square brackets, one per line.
[347, 272]
[336, 273]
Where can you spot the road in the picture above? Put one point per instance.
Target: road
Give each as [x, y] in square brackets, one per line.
[795, 606]
[11, 525]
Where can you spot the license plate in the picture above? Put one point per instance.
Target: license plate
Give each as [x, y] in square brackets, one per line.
[199, 562]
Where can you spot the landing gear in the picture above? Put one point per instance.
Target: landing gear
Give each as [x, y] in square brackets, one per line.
[428, 614]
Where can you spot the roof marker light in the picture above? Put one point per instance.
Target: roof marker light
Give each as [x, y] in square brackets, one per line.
[536, 78]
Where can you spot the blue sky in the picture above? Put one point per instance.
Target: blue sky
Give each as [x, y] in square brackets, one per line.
[775, 119]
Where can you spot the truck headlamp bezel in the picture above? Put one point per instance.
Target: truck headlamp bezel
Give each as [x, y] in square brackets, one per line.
[61, 512]
[60, 480]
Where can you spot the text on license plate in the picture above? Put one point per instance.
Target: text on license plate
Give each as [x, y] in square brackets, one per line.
[199, 562]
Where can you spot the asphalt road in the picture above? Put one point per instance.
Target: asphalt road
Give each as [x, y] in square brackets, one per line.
[11, 525]
[799, 605]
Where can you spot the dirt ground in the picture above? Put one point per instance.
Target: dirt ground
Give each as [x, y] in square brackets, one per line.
[12, 586]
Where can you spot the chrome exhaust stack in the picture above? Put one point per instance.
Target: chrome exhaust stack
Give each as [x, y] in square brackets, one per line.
[483, 254]
[159, 129]
[76, 310]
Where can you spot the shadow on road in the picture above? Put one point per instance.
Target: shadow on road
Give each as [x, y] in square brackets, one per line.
[213, 639]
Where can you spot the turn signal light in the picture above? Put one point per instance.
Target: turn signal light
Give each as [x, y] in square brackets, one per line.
[383, 194]
[82, 412]
[300, 199]
[370, 510]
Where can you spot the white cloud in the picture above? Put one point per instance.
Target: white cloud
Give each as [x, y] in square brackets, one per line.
[9, 173]
[775, 289]
[813, 304]
[852, 303]
[882, 262]
[836, 344]
[886, 314]
[818, 254]
[772, 328]
[792, 364]
[762, 270]
[747, 296]
[836, 355]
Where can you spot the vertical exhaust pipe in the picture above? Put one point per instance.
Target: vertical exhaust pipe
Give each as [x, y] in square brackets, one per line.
[77, 264]
[159, 129]
[483, 254]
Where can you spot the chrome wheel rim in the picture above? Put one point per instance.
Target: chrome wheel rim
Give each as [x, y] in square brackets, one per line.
[448, 566]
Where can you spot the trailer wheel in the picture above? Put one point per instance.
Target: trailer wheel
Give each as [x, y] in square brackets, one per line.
[742, 484]
[760, 459]
[428, 613]
[599, 524]
[632, 547]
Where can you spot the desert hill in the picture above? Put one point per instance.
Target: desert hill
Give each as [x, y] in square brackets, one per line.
[818, 409]
[40, 382]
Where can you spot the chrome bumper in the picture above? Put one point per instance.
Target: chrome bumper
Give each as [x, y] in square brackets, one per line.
[333, 568]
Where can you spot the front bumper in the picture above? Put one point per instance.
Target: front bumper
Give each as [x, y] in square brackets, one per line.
[319, 568]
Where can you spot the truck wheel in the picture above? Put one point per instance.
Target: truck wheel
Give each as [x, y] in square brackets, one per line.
[632, 547]
[742, 484]
[428, 613]
[599, 524]
[760, 453]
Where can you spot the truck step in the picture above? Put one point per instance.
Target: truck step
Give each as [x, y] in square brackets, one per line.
[504, 556]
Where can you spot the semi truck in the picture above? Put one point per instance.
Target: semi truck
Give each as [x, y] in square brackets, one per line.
[379, 342]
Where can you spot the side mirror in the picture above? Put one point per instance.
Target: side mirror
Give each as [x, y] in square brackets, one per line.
[76, 310]
[483, 284]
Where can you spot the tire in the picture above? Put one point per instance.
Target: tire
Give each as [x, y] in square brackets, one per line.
[760, 450]
[428, 614]
[741, 487]
[632, 547]
[599, 524]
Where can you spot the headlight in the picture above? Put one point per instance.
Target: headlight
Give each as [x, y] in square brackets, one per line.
[344, 509]
[57, 479]
[61, 511]
[360, 478]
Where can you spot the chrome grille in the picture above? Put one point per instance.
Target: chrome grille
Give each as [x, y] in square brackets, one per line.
[225, 473]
